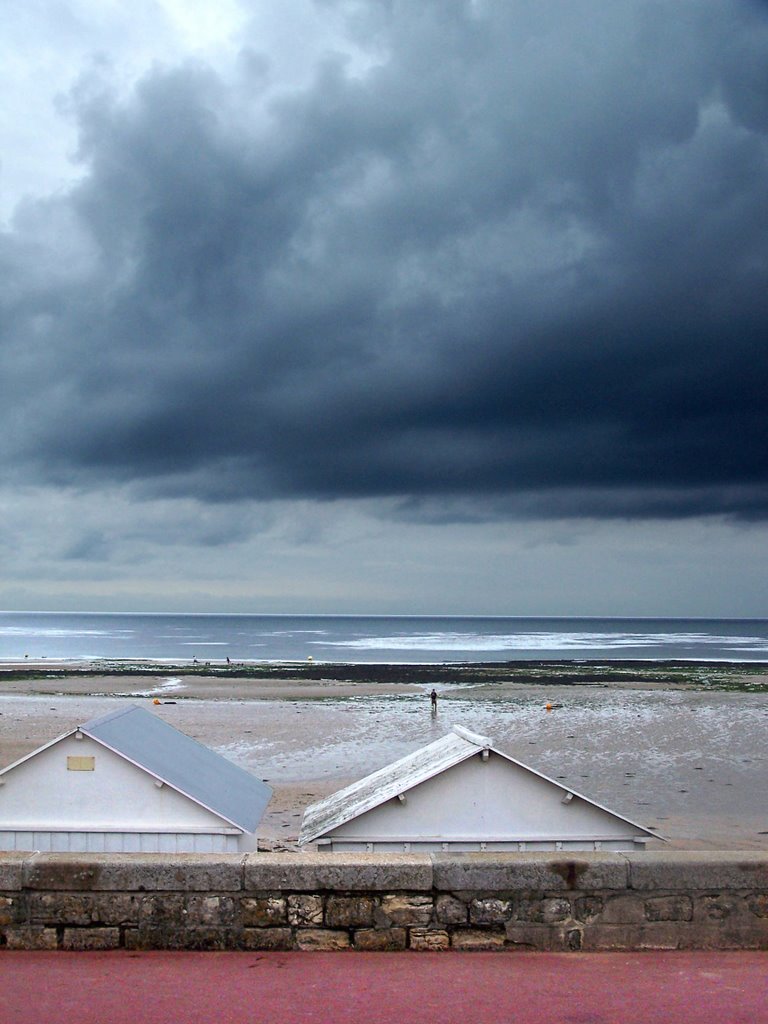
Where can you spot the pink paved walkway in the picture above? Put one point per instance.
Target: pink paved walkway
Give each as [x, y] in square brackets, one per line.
[373, 988]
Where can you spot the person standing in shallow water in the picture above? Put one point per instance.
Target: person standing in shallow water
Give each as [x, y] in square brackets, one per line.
[433, 699]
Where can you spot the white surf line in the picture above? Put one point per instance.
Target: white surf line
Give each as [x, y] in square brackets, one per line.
[169, 685]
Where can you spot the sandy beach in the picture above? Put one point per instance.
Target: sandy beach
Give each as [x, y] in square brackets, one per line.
[686, 763]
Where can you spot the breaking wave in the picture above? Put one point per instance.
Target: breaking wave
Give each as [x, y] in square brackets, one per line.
[548, 642]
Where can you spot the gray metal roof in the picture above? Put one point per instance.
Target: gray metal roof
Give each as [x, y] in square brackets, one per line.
[389, 782]
[182, 763]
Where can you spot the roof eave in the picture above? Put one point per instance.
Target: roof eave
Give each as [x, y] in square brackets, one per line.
[39, 750]
[579, 796]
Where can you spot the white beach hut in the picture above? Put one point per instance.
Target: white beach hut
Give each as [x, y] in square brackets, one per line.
[129, 782]
[461, 794]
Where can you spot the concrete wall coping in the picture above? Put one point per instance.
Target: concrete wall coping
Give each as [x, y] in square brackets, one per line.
[11, 871]
[698, 870]
[529, 871]
[350, 872]
[132, 872]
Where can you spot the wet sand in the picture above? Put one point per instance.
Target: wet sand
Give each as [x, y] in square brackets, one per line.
[689, 764]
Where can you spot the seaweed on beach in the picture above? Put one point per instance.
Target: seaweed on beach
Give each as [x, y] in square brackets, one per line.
[749, 677]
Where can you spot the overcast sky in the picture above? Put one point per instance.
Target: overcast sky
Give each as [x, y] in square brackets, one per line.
[366, 305]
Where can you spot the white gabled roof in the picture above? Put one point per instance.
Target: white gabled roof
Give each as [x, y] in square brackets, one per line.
[182, 763]
[388, 782]
[397, 778]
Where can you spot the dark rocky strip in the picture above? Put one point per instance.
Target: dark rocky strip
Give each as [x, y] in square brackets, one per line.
[751, 676]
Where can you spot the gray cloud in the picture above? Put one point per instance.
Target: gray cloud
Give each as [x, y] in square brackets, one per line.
[519, 261]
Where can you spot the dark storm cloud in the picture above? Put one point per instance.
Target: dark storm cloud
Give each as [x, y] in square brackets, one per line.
[522, 258]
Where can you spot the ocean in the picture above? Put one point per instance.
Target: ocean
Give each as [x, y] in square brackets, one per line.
[176, 638]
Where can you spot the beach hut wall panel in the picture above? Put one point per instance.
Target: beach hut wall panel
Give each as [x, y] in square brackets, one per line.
[459, 793]
[68, 841]
[128, 782]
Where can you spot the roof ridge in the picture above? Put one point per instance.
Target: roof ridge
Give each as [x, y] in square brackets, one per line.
[108, 717]
[473, 737]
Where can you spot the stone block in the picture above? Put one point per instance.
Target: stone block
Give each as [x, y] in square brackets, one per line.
[669, 908]
[589, 908]
[685, 871]
[81, 909]
[758, 905]
[134, 872]
[449, 910]
[305, 911]
[539, 872]
[118, 908]
[729, 934]
[712, 935]
[490, 911]
[215, 939]
[213, 911]
[263, 913]
[529, 935]
[661, 935]
[624, 909]
[338, 872]
[405, 910]
[321, 938]
[349, 911]
[62, 908]
[91, 938]
[719, 908]
[552, 910]
[382, 940]
[267, 938]
[167, 910]
[427, 940]
[477, 940]
[30, 937]
[11, 870]
[6, 910]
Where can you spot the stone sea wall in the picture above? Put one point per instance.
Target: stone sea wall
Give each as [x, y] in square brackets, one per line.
[534, 901]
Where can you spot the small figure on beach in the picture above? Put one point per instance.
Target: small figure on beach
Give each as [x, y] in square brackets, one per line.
[433, 699]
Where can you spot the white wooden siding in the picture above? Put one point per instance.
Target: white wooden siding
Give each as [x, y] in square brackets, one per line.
[118, 842]
[474, 846]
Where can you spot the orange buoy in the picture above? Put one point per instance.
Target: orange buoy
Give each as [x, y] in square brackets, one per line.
[155, 701]
[549, 706]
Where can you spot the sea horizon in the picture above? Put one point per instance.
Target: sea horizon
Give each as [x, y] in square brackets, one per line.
[410, 638]
[385, 615]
